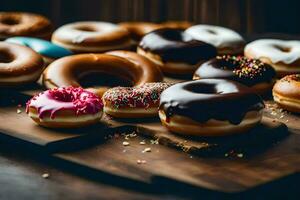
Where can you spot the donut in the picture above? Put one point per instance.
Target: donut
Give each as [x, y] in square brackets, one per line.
[24, 24]
[251, 72]
[286, 92]
[66, 107]
[139, 29]
[283, 55]
[133, 102]
[132, 67]
[210, 107]
[19, 65]
[225, 40]
[177, 24]
[48, 50]
[92, 37]
[175, 51]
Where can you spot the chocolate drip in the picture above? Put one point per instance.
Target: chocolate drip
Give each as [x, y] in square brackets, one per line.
[175, 45]
[241, 69]
[207, 99]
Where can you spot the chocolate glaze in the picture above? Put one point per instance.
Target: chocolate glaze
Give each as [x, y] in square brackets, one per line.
[241, 69]
[207, 99]
[175, 45]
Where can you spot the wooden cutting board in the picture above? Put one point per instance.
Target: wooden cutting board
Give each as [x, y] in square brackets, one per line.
[256, 155]
[17, 126]
[230, 172]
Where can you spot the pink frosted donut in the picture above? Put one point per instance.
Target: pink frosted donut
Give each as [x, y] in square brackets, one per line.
[65, 107]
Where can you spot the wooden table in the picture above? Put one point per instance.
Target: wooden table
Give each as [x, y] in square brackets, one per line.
[102, 163]
[21, 178]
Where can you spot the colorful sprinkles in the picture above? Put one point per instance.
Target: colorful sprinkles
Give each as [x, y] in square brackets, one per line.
[142, 96]
[244, 67]
[65, 98]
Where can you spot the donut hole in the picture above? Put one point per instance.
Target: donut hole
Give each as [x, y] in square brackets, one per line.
[6, 57]
[10, 21]
[211, 31]
[96, 79]
[203, 88]
[176, 35]
[283, 49]
[86, 28]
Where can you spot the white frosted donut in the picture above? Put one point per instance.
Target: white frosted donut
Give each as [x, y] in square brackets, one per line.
[283, 55]
[225, 40]
[92, 36]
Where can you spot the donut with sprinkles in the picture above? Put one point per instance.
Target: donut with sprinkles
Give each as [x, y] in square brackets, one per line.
[133, 102]
[250, 72]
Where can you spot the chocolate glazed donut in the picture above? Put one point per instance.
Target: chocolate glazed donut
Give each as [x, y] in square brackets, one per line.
[175, 51]
[250, 72]
[210, 107]
[69, 70]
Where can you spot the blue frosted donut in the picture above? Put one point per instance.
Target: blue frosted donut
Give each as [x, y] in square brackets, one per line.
[43, 47]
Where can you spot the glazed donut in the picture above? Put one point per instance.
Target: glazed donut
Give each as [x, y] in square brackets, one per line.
[65, 108]
[175, 51]
[210, 107]
[225, 40]
[69, 70]
[24, 24]
[92, 37]
[139, 29]
[286, 92]
[283, 55]
[19, 65]
[177, 24]
[133, 102]
[251, 72]
[48, 50]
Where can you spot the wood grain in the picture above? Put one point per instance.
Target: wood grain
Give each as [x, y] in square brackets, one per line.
[217, 173]
[229, 164]
[249, 16]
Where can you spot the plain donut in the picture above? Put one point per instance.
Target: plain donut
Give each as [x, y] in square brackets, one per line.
[67, 71]
[19, 65]
[24, 24]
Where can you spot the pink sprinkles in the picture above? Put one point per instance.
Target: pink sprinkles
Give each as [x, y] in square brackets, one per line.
[65, 98]
[142, 96]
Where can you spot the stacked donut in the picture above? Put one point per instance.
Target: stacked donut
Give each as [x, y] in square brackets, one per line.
[222, 96]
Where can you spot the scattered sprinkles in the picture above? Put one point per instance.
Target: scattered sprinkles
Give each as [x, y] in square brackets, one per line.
[45, 175]
[146, 150]
[125, 143]
[234, 154]
[142, 96]
[276, 112]
[240, 155]
[154, 141]
[141, 161]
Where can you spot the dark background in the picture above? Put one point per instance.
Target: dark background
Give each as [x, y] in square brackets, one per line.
[245, 16]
